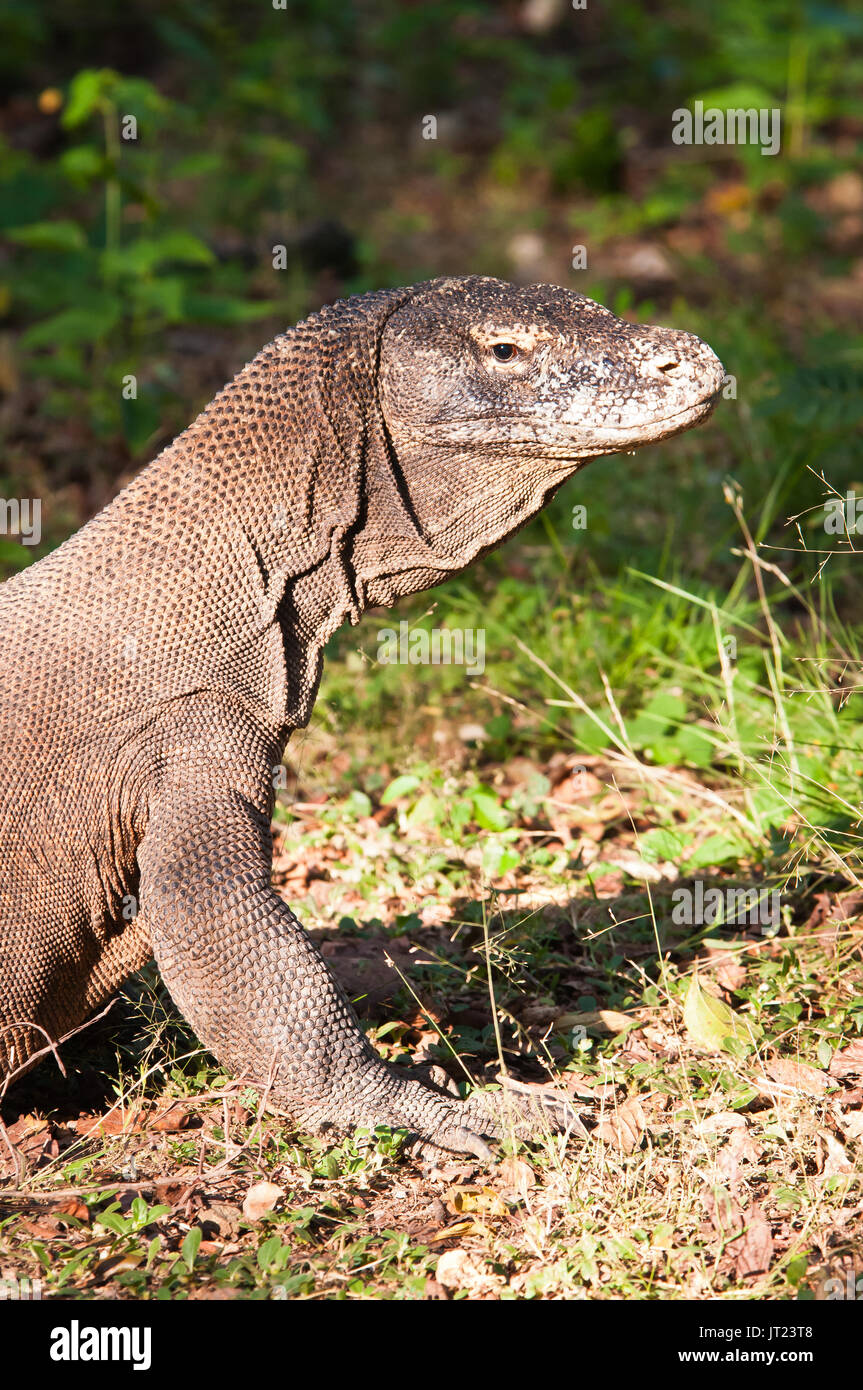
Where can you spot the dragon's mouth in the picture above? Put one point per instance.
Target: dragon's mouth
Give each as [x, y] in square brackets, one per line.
[587, 442]
[614, 438]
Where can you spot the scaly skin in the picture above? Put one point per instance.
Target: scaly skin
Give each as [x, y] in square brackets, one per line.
[153, 668]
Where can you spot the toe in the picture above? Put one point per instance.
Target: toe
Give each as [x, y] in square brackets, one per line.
[460, 1139]
[547, 1104]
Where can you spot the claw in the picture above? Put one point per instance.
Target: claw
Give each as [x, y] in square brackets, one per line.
[458, 1140]
[468, 1142]
[553, 1106]
[439, 1077]
[438, 1121]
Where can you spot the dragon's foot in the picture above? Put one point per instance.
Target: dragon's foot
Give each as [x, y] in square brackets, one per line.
[438, 1122]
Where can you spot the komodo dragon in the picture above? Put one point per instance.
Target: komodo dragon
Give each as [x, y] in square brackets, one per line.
[153, 667]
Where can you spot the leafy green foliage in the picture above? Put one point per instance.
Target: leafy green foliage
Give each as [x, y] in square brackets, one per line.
[109, 274]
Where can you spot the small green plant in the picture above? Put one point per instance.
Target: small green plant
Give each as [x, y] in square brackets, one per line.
[110, 267]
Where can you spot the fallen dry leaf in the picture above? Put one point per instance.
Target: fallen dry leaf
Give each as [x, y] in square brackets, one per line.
[173, 1120]
[738, 1149]
[170, 1191]
[219, 1219]
[724, 965]
[730, 974]
[40, 1227]
[635, 1049]
[451, 1268]
[844, 193]
[661, 1040]
[635, 866]
[723, 1210]
[468, 1227]
[603, 1021]
[849, 1062]
[26, 1127]
[831, 1157]
[624, 1129]
[597, 1021]
[119, 1120]
[852, 1124]
[721, 1121]
[516, 1177]
[662, 1237]
[74, 1207]
[481, 1199]
[797, 1075]
[727, 198]
[456, 1269]
[116, 1264]
[210, 1247]
[753, 1250]
[728, 1167]
[578, 786]
[743, 1146]
[260, 1199]
[837, 910]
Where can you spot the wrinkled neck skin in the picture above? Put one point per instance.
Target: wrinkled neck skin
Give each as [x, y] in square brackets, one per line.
[283, 510]
[383, 521]
[451, 505]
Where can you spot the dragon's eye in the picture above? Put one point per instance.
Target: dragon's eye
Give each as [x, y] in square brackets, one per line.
[505, 352]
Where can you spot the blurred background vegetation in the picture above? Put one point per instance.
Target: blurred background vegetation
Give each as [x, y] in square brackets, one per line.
[303, 127]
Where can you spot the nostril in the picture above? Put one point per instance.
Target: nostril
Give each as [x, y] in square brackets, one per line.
[667, 364]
